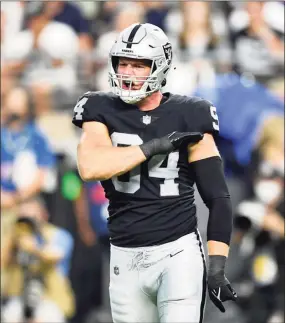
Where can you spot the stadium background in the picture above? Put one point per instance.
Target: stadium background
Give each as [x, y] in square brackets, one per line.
[231, 53]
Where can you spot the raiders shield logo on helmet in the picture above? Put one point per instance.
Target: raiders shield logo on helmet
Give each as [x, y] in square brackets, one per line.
[168, 52]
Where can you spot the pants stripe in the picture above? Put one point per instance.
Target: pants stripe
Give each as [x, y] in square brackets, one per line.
[203, 301]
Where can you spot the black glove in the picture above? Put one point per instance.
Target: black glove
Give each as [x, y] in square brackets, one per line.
[218, 285]
[169, 143]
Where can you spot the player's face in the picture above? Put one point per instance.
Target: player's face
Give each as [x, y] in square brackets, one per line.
[135, 72]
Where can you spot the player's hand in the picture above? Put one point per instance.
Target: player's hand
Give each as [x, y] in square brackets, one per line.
[220, 291]
[168, 143]
[219, 287]
[179, 138]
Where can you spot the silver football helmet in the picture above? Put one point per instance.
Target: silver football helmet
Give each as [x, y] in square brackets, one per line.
[141, 41]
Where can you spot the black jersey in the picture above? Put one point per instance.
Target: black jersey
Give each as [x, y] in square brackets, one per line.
[153, 203]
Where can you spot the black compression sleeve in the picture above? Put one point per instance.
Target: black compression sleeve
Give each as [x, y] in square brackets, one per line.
[210, 181]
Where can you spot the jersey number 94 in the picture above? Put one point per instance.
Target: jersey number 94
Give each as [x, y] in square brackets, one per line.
[155, 169]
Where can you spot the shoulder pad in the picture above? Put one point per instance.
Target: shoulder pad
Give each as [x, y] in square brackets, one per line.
[201, 115]
[91, 106]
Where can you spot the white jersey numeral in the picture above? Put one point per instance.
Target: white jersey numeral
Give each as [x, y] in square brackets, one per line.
[133, 185]
[215, 117]
[169, 173]
[79, 108]
[155, 169]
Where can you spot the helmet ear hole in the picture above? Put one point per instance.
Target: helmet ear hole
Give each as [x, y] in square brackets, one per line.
[115, 61]
[154, 67]
[164, 82]
[113, 83]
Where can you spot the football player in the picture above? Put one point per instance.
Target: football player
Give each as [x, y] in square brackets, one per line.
[148, 149]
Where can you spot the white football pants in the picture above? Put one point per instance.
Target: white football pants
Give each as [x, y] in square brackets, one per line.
[165, 283]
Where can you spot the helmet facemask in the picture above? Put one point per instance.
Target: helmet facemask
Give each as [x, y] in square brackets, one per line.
[152, 83]
[142, 42]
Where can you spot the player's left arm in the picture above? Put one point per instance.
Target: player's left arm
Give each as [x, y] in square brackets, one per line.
[207, 167]
[204, 158]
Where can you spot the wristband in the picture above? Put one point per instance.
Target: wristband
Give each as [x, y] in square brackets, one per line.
[216, 264]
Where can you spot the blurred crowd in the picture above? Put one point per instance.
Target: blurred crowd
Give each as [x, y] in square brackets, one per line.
[54, 239]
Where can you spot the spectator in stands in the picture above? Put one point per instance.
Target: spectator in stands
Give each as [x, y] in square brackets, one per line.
[155, 12]
[90, 209]
[13, 11]
[82, 213]
[26, 159]
[26, 156]
[251, 104]
[261, 218]
[200, 47]
[197, 36]
[258, 44]
[91, 212]
[266, 174]
[40, 252]
[45, 53]
[11, 21]
[69, 13]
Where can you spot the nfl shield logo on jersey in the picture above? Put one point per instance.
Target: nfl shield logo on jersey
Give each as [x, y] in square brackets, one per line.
[116, 270]
[146, 119]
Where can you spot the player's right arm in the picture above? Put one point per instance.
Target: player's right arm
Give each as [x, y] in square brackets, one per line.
[98, 159]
